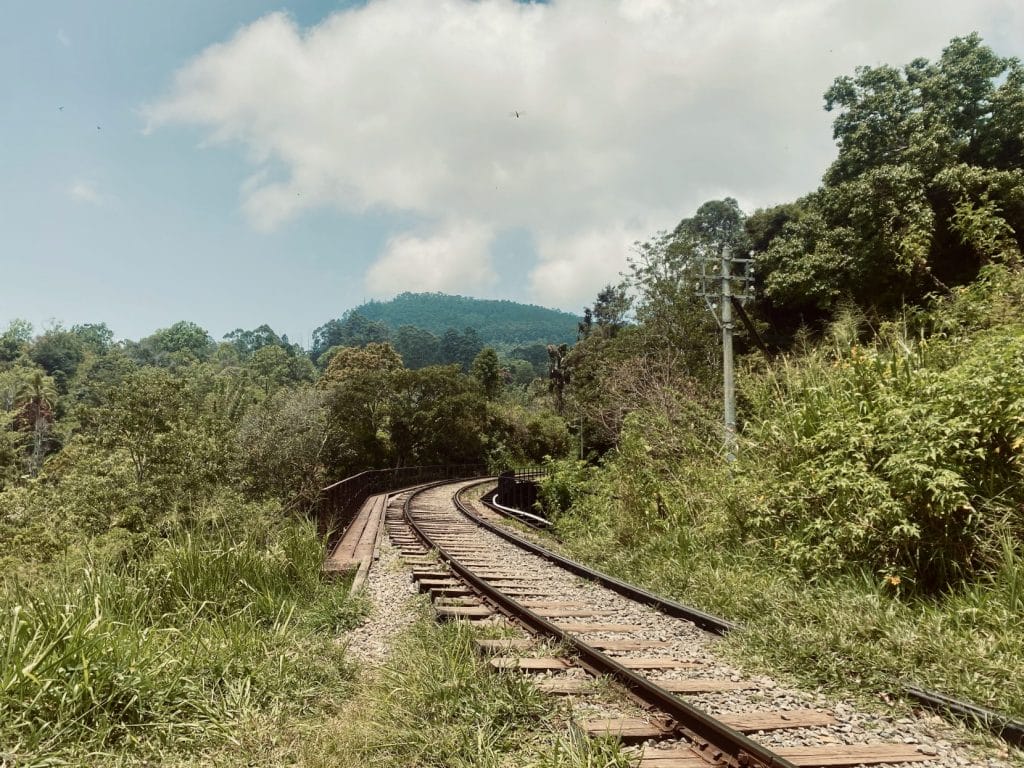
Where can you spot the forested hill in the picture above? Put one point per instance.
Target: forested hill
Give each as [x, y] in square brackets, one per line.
[497, 322]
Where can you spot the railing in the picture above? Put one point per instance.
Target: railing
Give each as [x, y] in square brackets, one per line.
[340, 501]
[529, 473]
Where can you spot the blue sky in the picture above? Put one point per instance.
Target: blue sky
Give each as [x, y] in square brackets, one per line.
[237, 163]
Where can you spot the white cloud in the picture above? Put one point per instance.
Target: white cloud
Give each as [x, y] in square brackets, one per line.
[633, 113]
[83, 191]
[63, 39]
[453, 259]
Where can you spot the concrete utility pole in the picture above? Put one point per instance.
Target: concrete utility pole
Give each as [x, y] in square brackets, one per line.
[716, 285]
[728, 380]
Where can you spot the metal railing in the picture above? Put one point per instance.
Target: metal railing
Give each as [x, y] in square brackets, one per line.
[340, 501]
[529, 473]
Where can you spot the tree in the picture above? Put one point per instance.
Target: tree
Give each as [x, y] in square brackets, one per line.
[249, 342]
[273, 367]
[351, 330]
[182, 343]
[438, 417]
[15, 340]
[58, 351]
[460, 348]
[141, 416]
[283, 444]
[359, 386]
[928, 186]
[608, 314]
[36, 401]
[487, 371]
[95, 337]
[418, 348]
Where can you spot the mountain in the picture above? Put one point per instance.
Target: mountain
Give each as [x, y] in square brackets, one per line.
[496, 321]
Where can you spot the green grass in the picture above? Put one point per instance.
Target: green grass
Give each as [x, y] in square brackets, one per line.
[849, 635]
[436, 704]
[163, 658]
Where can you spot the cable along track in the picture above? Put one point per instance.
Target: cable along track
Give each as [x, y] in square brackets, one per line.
[586, 634]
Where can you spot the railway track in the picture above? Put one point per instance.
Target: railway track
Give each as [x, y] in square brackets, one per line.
[678, 705]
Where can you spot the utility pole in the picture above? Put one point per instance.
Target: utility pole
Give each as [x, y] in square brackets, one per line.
[716, 284]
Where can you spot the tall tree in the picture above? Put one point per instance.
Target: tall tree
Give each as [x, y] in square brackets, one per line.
[928, 186]
[36, 401]
[487, 371]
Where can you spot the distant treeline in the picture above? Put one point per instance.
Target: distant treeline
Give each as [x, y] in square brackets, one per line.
[420, 348]
[499, 322]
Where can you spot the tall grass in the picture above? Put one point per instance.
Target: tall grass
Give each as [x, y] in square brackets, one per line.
[435, 705]
[173, 652]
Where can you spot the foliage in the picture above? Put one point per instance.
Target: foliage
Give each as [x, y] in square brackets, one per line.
[418, 347]
[180, 344]
[15, 340]
[497, 322]
[519, 435]
[432, 705]
[876, 457]
[352, 330]
[173, 652]
[58, 351]
[438, 417]
[282, 445]
[928, 187]
[487, 372]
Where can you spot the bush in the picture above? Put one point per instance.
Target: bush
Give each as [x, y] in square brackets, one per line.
[904, 457]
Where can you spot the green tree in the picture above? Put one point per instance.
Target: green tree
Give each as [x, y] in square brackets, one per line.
[927, 187]
[487, 371]
[460, 348]
[182, 343]
[283, 443]
[15, 340]
[359, 386]
[273, 367]
[36, 402]
[95, 337]
[59, 352]
[418, 347]
[249, 342]
[142, 415]
[351, 330]
[438, 417]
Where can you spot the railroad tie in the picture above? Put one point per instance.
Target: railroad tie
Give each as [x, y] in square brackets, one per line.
[832, 755]
[505, 644]
[541, 664]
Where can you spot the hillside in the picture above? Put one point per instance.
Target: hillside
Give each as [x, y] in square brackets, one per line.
[496, 322]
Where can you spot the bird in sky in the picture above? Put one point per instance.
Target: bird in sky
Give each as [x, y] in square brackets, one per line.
[516, 114]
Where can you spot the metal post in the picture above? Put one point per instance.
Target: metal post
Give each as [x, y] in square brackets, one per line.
[729, 385]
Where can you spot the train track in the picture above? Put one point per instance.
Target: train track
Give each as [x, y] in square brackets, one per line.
[575, 635]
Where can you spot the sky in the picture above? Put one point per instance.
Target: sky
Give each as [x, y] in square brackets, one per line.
[242, 162]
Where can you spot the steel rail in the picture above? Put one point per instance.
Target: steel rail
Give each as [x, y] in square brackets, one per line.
[530, 519]
[669, 607]
[711, 739]
[1001, 725]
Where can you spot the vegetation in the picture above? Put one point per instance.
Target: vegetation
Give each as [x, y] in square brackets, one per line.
[431, 706]
[497, 321]
[171, 652]
[870, 526]
[161, 587]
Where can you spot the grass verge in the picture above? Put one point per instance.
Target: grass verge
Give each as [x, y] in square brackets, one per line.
[847, 635]
[160, 658]
[435, 704]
